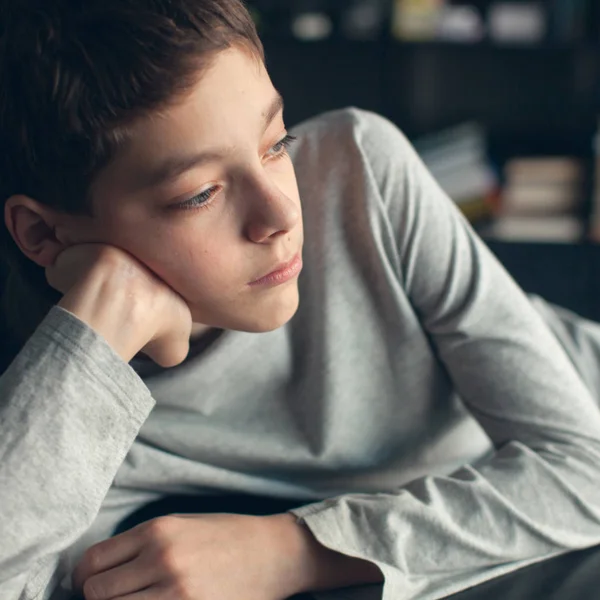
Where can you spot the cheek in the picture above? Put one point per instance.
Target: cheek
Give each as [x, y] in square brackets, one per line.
[284, 177]
[194, 255]
[195, 266]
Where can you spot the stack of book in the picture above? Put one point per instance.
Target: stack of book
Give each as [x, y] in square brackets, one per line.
[500, 21]
[417, 20]
[457, 158]
[595, 212]
[316, 20]
[541, 201]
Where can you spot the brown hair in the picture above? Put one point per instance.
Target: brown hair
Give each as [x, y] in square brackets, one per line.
[73, 75]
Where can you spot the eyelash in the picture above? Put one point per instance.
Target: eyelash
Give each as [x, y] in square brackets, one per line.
[203, 200]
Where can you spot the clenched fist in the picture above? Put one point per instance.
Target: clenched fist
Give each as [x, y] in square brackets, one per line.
[125, 302]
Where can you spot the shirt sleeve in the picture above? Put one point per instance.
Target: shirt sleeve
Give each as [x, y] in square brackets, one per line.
[538, 494]
[70, 408]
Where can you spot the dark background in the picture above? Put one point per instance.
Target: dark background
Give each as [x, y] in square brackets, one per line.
[540, 99]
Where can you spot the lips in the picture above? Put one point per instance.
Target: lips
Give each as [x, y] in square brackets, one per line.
[280, 271]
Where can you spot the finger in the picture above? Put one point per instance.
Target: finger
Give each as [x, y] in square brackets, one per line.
[128, 578]
[107, 555]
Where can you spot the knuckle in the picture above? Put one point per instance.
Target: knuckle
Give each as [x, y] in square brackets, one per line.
[157, 532]
[115, 260]
[108, 253]
[102, 254]
[158, 528]
[92, 559]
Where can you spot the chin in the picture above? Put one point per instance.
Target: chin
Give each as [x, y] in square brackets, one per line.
[269, 322]
[264, 316]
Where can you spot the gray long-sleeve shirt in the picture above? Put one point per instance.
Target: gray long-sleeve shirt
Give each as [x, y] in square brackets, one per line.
[417, 401]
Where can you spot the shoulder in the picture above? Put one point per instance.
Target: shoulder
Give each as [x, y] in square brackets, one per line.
[348, 140]
[351, 123]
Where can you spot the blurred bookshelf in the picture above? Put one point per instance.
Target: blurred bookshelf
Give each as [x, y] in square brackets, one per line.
[522, 76]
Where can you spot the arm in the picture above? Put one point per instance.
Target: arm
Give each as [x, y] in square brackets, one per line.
[538, 494]
[70, 406]
[70, 409]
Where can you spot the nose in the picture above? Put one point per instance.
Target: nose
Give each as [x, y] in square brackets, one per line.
[271, 213]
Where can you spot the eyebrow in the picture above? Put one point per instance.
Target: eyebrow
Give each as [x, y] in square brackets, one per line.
[174, 166]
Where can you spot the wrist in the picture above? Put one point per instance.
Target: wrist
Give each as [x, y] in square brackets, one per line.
[308, 566]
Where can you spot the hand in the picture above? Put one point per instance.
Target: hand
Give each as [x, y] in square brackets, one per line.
[216, 557]
[186, 557]
[125, 302]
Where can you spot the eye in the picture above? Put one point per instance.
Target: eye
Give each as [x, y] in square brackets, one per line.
[201, 200]
[280, 148]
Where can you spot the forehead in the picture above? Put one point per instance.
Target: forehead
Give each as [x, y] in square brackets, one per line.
[226, 107]
[232, 93]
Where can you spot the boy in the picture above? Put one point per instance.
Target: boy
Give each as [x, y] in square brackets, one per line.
[313, 357]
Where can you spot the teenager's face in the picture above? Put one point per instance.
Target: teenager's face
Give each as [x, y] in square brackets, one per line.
[206, 197]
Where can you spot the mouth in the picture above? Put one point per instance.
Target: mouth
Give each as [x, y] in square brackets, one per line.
[282, 272]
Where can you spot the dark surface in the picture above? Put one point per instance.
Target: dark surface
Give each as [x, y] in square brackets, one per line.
[573, 576]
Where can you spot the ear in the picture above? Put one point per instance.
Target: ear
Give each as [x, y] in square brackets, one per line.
[32, 226]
